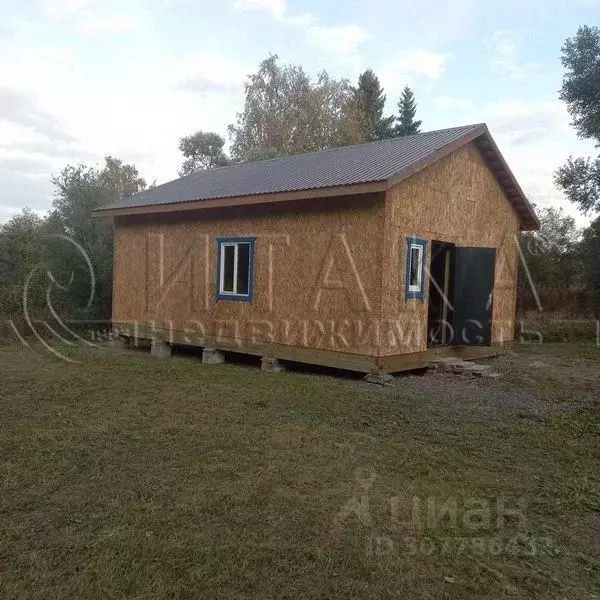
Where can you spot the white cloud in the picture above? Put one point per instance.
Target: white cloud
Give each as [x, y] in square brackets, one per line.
[415, 63]
[340, 41]
[92, 25]
[19, 145]
[20, 107]
[535, 138]
[523, 122]
[276, 8]
[65, 8]
[50, 99]
[26, 165]
[450, 103]
[506, 57]
[209, 72]
[410, 67]
[91, 17]
[52, 54]
[24, 187]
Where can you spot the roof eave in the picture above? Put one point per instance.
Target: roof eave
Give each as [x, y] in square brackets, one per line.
[345, 190]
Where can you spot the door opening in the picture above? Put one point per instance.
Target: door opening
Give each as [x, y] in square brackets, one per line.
[440, 331]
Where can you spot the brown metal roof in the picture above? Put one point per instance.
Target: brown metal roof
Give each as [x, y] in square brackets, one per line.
[386, 161]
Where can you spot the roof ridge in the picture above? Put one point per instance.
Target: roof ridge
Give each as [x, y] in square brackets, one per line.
[246, 162]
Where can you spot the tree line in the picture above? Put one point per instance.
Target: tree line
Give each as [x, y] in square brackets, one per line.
[286, 112]
[44, 260]
[559, 272]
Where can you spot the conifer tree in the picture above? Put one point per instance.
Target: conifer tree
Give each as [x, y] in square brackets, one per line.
[370, 102]
[407, 110]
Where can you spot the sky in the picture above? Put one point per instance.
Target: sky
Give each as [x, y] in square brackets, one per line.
[82, 79]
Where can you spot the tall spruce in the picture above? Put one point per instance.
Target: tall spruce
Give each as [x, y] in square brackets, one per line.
[370, 101]
[407, 110]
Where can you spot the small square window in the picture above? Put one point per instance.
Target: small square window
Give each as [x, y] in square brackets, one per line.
[235, 268]
[415, 269]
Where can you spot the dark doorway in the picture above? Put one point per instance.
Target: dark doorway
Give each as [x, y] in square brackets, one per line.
[473, 296]
[441, 292]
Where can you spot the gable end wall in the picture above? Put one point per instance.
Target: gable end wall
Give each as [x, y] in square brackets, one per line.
[457, 200]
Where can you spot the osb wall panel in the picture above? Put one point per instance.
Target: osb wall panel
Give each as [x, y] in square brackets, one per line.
[456, 200]
[317, 273]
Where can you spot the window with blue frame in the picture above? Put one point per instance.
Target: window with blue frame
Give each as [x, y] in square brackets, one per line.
[235, 268]
[415, 269]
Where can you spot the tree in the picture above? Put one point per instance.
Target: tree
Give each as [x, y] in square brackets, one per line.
[590, 253]
[21, 249]
[549, 251]
[580, 177]
[48, 257]
[202, 150]
[580, 180]
[79, 190]
[552, 259]
[370, 102]
[407, 110]
[286, 112]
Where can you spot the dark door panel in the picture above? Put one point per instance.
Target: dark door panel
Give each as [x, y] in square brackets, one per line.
[473, 296]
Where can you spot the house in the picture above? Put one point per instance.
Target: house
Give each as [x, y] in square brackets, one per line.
[373, 258]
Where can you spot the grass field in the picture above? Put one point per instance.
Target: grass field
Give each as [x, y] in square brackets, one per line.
[127, 477]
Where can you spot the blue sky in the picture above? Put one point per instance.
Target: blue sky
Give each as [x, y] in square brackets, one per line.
[80, 79]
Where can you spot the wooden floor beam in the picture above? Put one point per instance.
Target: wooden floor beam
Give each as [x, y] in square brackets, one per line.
[313, 356]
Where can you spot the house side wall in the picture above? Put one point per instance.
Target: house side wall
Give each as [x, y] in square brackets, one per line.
[317, 273]
[456, 200]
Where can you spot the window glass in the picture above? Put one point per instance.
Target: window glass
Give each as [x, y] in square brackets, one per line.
[235, 268]
[415, 268]
[416, 251]
[228, 269]
[243, 269]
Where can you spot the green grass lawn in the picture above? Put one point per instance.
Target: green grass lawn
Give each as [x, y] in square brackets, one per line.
[128, 477]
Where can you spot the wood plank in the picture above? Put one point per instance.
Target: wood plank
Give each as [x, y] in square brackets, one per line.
[397, 363]
[418, 360]
[313, 356]
[469, 352]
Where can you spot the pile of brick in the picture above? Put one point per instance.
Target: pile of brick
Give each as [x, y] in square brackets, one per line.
[463, 368]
